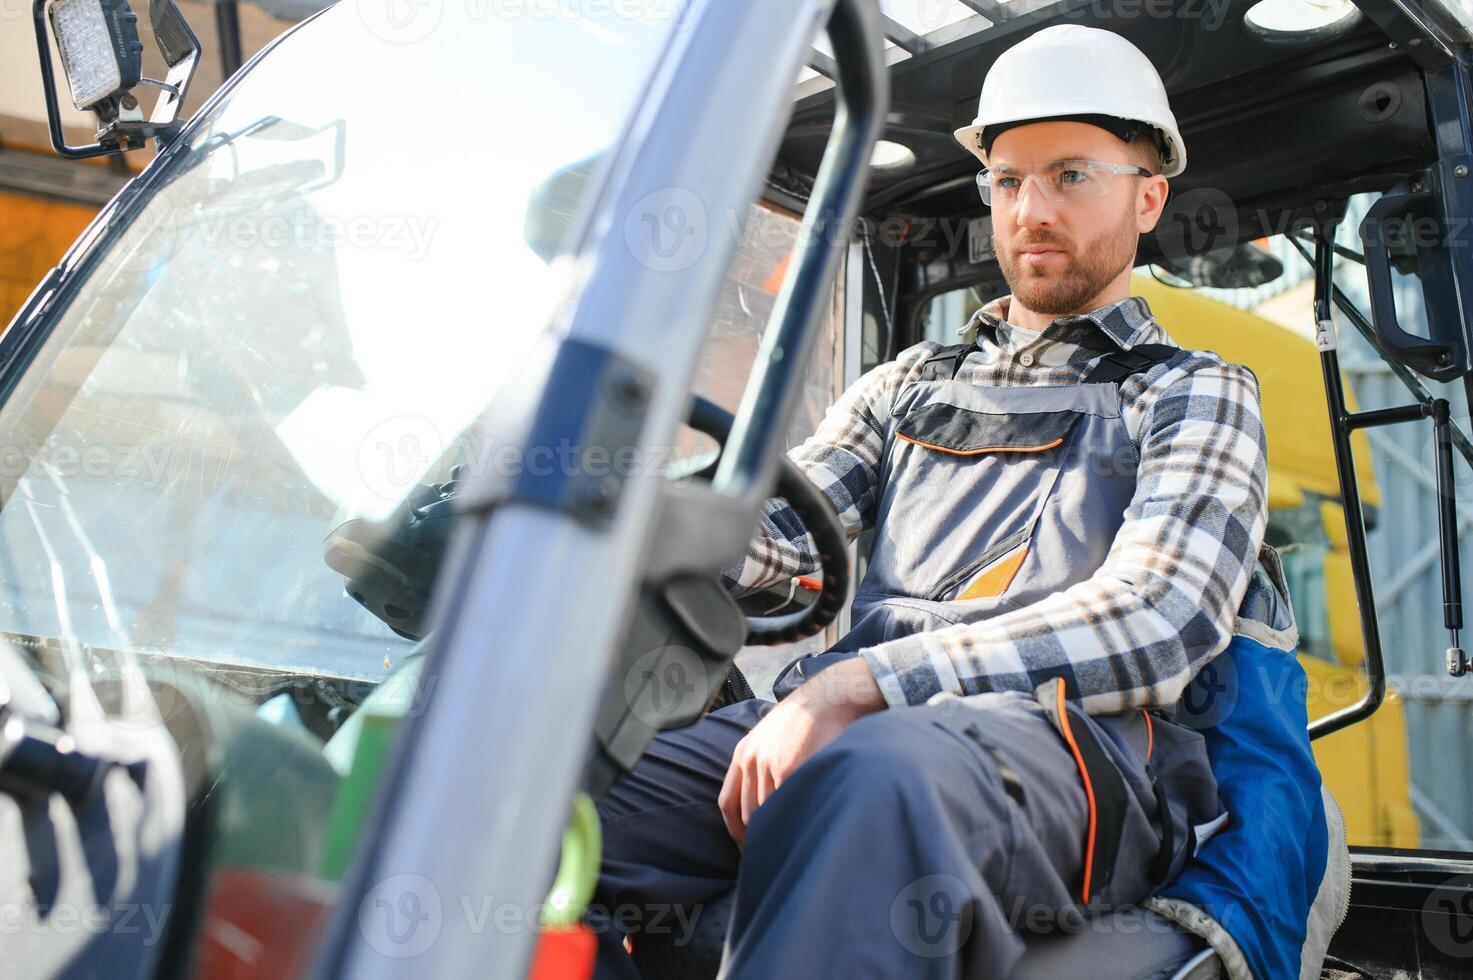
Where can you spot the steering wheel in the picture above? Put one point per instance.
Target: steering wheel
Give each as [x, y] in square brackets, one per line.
[818, 517]
[391, 565]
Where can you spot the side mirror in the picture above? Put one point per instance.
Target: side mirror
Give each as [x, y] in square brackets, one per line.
[103, 61]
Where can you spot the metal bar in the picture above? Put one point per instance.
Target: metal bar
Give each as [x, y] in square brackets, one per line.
[822, 63]
[1355, 521]
[1387, 416]
[991, 9]
[227, 29]
[1408, 25]
[903, 36]
[853, 368]
[1404, 374]
[1447, 531]
[1446, 826]
[750, 458]
[1340, 250]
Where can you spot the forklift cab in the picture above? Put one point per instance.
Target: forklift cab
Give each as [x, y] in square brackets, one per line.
[358, 529]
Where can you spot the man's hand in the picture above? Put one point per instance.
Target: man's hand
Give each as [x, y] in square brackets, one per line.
[802, 723]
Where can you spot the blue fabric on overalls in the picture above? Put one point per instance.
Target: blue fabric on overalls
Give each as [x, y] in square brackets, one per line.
[1260, 875]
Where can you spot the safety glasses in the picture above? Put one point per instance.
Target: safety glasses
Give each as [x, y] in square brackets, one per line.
[1062, 180]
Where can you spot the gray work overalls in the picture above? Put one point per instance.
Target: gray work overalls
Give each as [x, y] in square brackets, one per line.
[991, 498]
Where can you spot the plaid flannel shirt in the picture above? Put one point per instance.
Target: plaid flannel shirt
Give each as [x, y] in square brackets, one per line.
[1163, 603]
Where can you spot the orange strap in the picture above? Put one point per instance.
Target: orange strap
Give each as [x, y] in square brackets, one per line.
[1089, 793]
[1150, 734]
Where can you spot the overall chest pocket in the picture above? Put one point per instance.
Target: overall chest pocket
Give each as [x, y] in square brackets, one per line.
[970, 487]
[964, 432]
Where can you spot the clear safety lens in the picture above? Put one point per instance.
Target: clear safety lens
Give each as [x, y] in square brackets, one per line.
[1067, 181]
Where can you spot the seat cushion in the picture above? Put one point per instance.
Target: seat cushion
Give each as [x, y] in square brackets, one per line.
[1132, 944]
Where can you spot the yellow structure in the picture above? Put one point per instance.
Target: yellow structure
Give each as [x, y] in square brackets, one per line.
[34, 235]
[1366, 766]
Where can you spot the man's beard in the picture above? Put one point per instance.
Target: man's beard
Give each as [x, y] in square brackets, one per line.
[1088, 271]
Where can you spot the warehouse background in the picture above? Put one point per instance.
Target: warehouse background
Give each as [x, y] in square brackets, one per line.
[45, 201]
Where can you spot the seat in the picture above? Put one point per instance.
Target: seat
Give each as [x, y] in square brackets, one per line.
[1132, 944]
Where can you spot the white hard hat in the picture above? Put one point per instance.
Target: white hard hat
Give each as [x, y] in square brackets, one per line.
[1072, 70]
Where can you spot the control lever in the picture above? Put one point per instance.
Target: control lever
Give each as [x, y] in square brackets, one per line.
[35, 757]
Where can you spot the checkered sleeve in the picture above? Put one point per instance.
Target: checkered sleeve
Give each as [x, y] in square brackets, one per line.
[842, 458]
[1164, 601]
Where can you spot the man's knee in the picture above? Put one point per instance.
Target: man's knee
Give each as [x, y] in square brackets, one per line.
[881, 764]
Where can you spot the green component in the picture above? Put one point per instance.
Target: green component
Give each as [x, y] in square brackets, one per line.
[269, 796]
[258, 795]
[395, 697]
[578, 873]
[375, 737]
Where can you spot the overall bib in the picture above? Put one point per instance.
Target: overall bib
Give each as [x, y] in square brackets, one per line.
[991, 498]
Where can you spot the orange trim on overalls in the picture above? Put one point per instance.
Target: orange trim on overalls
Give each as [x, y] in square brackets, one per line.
[1150, 734]
[985, 449]
[1089, 793]
[995, 581]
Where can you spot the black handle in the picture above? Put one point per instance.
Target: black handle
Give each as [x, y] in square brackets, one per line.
[1395, 212]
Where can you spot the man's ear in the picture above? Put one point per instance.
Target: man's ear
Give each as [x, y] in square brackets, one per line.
[1150, 202]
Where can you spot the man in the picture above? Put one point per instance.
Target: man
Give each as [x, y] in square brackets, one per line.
[1068, 512]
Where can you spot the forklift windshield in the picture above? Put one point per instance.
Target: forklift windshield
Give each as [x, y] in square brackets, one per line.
[288, 327]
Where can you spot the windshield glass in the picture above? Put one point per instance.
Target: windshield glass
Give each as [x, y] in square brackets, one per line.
[301, 327]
